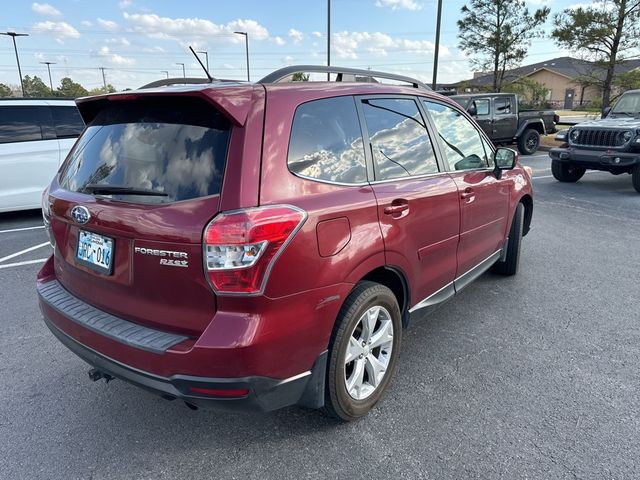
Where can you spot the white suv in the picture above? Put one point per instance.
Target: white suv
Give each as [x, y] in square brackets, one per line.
[35, 137]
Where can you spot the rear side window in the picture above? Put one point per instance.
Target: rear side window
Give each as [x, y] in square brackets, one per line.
[23, 124]
[326, 142]
[502, 106]
[176, 147]
[399, 140]
[67, 121]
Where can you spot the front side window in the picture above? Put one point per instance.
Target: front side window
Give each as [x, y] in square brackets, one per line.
[399, 140]
[174, 148]
[482, 106]
[23, 124]
[326, 142]
[461, 142]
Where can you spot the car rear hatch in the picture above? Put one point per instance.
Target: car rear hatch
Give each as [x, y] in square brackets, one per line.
[129, 206]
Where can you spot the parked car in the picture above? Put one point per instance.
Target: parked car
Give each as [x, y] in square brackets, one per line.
[504, 122]
[253, 246]
[610, 144]
[35, 137]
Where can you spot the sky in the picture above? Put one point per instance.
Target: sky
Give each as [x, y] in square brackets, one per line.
[137, 40]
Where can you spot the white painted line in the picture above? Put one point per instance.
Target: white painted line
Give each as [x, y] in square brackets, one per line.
[26, 250]
[19, 264]
[21, 229]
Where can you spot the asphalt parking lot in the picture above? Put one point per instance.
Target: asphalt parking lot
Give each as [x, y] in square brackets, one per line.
[534, 376]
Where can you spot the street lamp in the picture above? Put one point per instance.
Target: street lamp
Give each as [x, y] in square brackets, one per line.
[13, 35]
[48, 64]
[184, 75]
[328, 37]
[434, 83]
[206, 54]
[165, 72]
[246, 42]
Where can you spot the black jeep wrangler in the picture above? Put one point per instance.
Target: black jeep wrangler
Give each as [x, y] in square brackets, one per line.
[611, 144]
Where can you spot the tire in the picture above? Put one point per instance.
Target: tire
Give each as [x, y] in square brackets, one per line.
[566, 172]
[351, 390]
[529, 142]
[511, 262]
[635, 178]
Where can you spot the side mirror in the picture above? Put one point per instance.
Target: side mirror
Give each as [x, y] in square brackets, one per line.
[605, 112]
[505, 159]
[472, 109]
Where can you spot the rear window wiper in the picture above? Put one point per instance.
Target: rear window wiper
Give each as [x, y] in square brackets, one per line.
[98, 189]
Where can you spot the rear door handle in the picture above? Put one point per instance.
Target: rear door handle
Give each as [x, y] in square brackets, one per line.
[397, 208]
[468, 194]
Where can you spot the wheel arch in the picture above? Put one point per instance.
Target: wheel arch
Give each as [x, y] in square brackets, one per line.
[395, 280]
[527, 201]
[537, 125]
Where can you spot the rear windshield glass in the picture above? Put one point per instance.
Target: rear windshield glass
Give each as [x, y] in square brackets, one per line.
[176, 148]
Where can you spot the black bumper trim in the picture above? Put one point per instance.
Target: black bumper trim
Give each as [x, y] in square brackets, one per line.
[115, 328]
[265, 394]
[595, 159]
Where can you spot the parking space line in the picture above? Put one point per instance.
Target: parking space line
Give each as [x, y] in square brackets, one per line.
[26, 250]
[21, 229]
[19, 264]
[551, 176]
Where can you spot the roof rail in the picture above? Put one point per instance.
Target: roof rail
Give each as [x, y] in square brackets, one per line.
[185, 81]
[282, 74]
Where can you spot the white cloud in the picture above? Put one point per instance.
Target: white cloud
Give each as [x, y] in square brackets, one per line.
[45, 9]
[86, 23]
[279, 41]
[107, 24]
[598, 5]
[399, 4]
[347, 45]
[114, 58]
[125, 4]
[316, 34]
[59, 30]
[118, 41]
[288, 60]
[155, 26]
[296, 35]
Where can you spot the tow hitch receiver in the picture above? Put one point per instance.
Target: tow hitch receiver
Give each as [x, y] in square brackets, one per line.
[95, 375]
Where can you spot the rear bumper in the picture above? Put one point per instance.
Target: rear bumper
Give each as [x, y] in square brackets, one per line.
[264, 394]
[595, 159]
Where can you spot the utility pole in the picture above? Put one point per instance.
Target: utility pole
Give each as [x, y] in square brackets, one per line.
[184, 75]
[104, 79]
[13, 35]
[165, 72]
[328, 37]
[206, 54]
[48, 64]
[437, 49]
[246, 42]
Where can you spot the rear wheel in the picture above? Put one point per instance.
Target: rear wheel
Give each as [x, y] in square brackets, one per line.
[566, 172]
[529, 142]
[363, 352]
[635, 178]
[512, 259]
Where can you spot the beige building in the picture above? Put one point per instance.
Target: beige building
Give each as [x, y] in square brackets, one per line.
[561, 76]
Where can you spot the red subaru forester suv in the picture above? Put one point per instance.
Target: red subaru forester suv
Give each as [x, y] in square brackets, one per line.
[253, 246]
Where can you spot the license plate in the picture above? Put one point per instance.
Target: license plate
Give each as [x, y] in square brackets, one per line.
[95, 251]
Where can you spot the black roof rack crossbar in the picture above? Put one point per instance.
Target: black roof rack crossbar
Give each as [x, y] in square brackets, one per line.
[284, 73]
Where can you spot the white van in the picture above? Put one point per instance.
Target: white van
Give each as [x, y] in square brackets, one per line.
[35, 137]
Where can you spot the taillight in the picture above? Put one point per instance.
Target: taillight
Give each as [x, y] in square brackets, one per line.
[241, 247]
[46, 216]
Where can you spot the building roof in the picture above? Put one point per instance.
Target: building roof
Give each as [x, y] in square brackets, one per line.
[566, 66]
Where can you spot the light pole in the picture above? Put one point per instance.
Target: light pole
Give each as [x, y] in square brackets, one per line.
[328, 36]
[48, 64]
[434, 84]
[13, 35]
[184, 75]
[166, 72]
[206, 54]
[246, 43]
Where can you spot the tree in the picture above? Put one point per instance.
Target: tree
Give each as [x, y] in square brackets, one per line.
[5, 90]
[35, 87]
[300, 77]
[531, 93]
[101, 90]
[496, 33]
[70, 89]
[602, 33]
[627, 80]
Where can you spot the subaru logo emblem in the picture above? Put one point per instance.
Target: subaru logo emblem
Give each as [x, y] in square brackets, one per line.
[80, 214]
